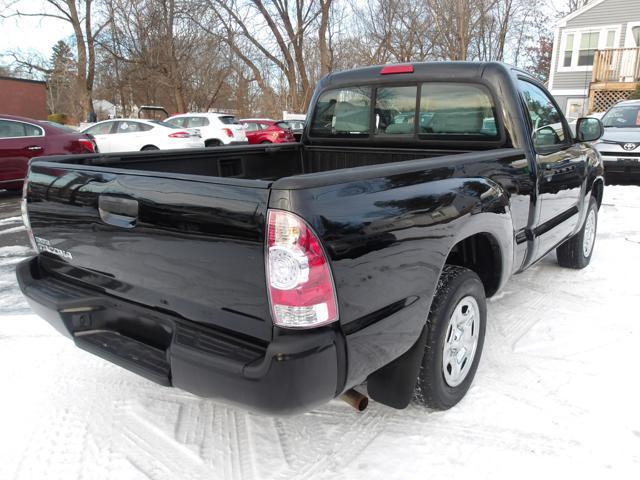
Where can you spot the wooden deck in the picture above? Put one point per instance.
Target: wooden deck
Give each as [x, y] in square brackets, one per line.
[615, 74]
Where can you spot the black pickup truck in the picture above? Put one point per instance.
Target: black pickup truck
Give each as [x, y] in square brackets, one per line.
[279, 277]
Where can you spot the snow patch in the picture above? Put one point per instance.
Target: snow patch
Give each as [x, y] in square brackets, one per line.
[555, 396]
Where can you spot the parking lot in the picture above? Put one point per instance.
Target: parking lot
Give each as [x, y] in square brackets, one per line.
[555, 396]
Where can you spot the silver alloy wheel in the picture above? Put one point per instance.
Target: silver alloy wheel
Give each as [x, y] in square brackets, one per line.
[461, 341]
[589, 237]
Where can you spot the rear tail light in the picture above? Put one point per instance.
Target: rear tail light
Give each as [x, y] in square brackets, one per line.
[301, 290]
[179, 135]
[282, 133]
[228, 132]
[25, 214]
[87, 144]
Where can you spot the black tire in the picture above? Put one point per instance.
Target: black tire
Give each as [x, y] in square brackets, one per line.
[149, 147]
[454, 286]
[571, 254]
[212, 143]
[266, 141]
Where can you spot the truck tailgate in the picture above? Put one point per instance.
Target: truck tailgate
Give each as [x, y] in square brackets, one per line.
[188, 247]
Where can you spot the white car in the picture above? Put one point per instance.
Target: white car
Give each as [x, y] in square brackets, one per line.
[132, 134]
[215, 128]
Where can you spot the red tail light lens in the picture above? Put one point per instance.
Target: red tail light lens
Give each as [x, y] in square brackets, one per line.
[392, 69]
[300, 284]
[228, 132]
[179, 135]
[87, 145]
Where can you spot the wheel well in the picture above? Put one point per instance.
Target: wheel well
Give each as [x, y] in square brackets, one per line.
[597, 191]
[212, 141]
[148, 146]
[481, 254]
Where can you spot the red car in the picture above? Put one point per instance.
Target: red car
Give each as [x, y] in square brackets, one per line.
[23, 138]
[267, 131]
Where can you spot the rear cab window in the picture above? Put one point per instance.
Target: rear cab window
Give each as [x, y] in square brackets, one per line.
[343, 112]
[425, 111]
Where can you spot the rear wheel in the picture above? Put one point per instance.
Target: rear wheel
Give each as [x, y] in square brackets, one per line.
[266, 141]
[457, 324]
[576, 252]
[212, 143]
[149, 147]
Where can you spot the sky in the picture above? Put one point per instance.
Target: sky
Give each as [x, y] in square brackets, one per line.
[30, 34]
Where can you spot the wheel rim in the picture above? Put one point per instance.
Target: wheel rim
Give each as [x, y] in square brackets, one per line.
[461, 341]
[589, 236]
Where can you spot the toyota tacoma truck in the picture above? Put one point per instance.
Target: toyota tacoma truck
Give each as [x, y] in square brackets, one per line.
[355, 263]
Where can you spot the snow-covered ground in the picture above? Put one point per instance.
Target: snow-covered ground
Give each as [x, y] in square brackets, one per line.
[557, 395]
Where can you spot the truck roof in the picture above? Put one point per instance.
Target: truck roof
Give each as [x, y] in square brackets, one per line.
[422, 71]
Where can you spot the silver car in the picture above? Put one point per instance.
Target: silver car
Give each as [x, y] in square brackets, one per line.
[620, 144]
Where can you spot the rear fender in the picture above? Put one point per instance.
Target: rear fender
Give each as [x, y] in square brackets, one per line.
[393, 384]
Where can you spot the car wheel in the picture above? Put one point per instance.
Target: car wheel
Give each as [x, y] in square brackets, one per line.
[576, 252]
[149, 147]
[212, 143]
[266, 141]
[456, 327]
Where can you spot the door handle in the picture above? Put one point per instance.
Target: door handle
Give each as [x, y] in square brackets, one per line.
[34, 148]
[118, 211]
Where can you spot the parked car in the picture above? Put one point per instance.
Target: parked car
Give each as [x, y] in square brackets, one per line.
[620, 144]
[132, 134]
[297, 126]
[23, 138]
[215, 128]
[260, 130]
[281, 278]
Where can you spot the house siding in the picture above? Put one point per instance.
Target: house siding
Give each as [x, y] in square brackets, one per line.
[607, 13]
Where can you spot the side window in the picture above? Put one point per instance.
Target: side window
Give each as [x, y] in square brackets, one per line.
[459, 110]
[342, 112]
[32, 130]
[130, 127]
[18, 129]
[176, 122]
[100, 129]
[11, 129]
[395, 110]
[144, 127]
[263, 126]
[546, 120]
[195, 122]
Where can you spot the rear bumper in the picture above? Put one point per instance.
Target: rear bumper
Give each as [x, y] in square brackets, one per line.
[292, 374]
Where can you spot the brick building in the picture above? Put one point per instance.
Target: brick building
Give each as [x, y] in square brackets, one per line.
[26, 98]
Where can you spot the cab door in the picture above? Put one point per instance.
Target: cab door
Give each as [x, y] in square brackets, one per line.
[19, 142]
[561, 165]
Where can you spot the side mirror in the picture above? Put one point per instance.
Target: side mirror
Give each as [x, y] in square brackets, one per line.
[589, 129]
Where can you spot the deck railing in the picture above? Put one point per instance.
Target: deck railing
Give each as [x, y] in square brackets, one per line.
[616, 65]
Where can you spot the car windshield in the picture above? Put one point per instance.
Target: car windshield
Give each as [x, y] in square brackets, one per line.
[163, 124]
[622, 117]
[228, 120]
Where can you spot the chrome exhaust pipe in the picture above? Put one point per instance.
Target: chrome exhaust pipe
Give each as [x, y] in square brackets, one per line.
[355, 399]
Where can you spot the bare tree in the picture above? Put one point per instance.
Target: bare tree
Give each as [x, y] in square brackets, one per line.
[79, 15]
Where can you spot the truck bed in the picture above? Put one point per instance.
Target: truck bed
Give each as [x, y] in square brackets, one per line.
[261, 162]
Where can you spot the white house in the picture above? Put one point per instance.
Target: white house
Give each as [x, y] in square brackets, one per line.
[595, 61]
